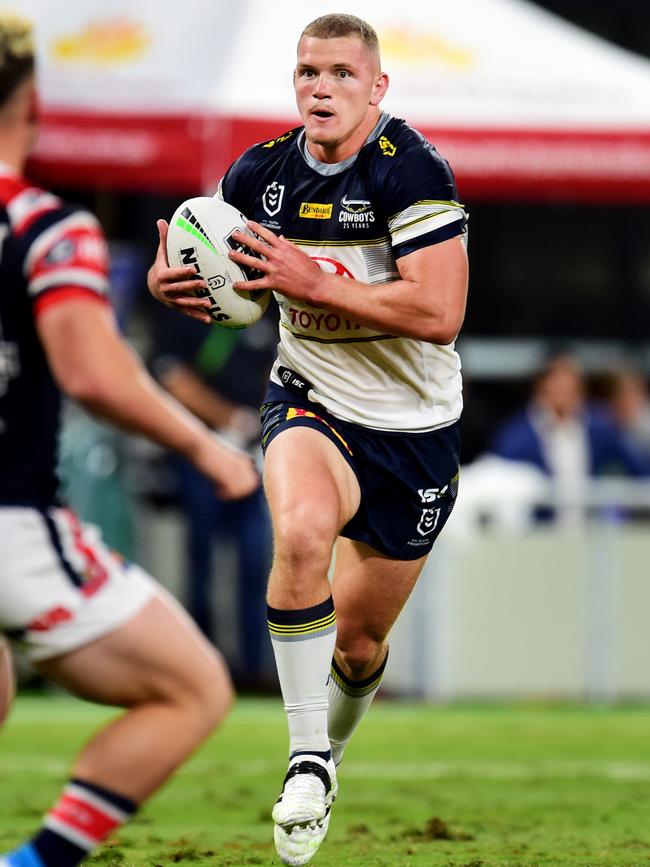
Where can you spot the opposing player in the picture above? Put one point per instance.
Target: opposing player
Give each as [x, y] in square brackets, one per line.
[363, 239]
[88, 621]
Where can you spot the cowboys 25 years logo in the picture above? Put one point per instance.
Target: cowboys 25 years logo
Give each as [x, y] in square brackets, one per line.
[355, 213]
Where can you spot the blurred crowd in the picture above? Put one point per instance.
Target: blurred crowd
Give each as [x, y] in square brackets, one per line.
[540, 462]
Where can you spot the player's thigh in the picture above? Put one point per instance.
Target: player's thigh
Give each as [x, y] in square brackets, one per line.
[309, 483]
[157, 655]
[7, 683]
[369, 590]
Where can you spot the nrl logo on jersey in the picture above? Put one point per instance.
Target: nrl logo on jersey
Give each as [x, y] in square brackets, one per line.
[272, 198]
[356, 213]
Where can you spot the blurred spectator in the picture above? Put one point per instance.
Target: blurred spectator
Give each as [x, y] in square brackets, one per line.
[220, 376]
[626, 393]
[566, 436]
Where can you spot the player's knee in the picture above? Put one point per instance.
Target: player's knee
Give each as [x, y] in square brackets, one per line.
[303, 542]
[357, 652]
[204, 692]
[211, 694]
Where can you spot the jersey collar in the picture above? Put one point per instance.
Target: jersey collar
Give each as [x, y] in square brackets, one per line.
[337, 168]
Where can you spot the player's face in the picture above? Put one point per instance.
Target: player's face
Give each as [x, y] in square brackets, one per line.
[338, 87]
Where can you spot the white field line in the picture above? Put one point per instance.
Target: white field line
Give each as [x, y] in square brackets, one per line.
[615, 770]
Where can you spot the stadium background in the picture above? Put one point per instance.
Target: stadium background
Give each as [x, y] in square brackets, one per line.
[583, 268]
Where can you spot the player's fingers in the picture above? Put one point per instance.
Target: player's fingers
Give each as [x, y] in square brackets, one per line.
[184, 287]
[190, 301]
[248, 260]
[264, 233]
[192, 312]
[253, 285]
[248, 241]
[246, 482]
[163, 228]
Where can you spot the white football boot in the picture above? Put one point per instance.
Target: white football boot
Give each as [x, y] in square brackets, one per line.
[302, 812]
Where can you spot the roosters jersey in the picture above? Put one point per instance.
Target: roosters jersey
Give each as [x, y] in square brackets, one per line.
[49, 252]
[356, 219]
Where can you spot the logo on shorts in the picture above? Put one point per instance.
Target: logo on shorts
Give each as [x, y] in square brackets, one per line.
[428, 521]
[272, 198]
[431, 514]
[50, 619]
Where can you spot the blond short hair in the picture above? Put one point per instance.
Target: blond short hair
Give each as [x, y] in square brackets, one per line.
[340, 24]
[16, 53]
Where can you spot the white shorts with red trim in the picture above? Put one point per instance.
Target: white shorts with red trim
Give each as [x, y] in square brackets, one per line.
[60, 586]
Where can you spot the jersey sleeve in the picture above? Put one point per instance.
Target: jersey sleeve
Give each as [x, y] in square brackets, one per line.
[418, 193]
[242, 180]
[65, 255]
[235, 184]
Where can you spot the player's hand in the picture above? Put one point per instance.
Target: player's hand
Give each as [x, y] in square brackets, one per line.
[176, 287]
[232, 470]
[287, 269]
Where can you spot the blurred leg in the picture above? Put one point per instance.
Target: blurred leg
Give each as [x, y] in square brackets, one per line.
[7, 684]
[201, 515]
[172, 681]
[251, 526]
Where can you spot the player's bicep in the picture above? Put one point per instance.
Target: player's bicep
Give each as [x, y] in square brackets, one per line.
[440, 275]
[79, 337]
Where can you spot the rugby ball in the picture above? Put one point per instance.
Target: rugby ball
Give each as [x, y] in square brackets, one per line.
[200, 234]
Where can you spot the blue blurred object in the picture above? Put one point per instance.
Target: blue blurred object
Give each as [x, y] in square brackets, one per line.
[127, 277]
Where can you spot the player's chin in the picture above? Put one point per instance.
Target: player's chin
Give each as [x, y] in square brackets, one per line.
[323, 134]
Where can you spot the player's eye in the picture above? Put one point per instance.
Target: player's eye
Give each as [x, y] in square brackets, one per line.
[343, 73]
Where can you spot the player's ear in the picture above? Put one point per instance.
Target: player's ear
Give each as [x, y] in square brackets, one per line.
[379, 88]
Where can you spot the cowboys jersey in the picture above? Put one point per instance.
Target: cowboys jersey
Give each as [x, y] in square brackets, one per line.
[356, 219]
[49, 252]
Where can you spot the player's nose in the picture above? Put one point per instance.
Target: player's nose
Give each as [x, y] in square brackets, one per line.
[321, 87]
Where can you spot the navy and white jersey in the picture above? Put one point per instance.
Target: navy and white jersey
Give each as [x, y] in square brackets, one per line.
[356, 219]
[49, 252]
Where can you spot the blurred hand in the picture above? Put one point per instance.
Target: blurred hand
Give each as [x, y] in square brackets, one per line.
[232, 471]
[175, 287]
[244, 426]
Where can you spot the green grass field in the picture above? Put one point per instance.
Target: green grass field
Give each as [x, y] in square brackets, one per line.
[479, 786]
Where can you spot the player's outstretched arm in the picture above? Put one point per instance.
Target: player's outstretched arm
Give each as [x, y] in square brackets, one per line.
[175, 287]
[94, 365]
[426, 303]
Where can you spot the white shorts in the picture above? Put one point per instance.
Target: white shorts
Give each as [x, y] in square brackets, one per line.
[60, 586]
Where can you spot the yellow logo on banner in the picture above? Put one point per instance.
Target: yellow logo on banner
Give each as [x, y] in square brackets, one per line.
[314, 211]
[114, 40]
[425, 48]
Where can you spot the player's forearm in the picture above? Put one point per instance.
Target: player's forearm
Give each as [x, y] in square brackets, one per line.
[130, 399]
[402, 307]
[201, 400]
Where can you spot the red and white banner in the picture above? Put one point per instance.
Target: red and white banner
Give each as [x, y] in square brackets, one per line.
[154, 96]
